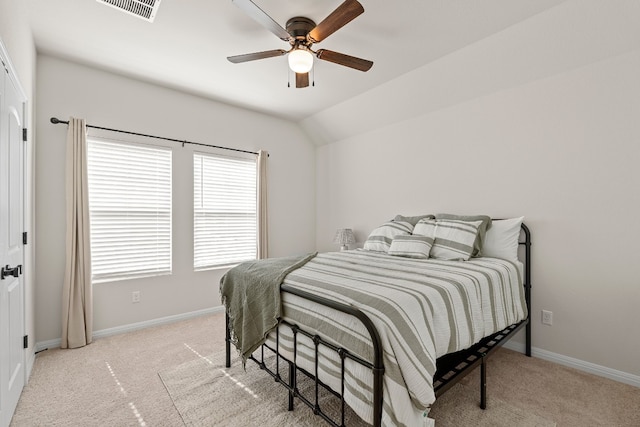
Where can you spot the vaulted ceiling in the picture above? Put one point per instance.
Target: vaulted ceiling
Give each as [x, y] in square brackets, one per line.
[186, 47]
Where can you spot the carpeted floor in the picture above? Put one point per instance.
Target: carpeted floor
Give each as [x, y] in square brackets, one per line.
[115, 381]
[206, 393]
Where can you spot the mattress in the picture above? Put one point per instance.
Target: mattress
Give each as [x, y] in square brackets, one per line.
[422, 310]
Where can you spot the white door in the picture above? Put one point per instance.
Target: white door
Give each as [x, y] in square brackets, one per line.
[12, 353]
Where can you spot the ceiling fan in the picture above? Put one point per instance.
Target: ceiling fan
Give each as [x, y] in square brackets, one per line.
[301, 33]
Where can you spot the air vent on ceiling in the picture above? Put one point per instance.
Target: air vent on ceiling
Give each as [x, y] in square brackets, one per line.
[145, 9]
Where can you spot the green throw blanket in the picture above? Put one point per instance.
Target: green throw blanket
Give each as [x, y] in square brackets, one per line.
[251, 294]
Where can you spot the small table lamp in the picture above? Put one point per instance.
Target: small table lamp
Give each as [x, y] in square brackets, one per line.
[344, 237]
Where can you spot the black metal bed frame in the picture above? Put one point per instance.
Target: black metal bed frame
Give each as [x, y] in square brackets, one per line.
[450, 368]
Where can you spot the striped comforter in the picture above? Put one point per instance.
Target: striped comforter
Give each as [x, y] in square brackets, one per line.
[422, 309]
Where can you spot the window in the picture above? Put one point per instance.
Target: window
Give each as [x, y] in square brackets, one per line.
[130, 210]
[224, 210]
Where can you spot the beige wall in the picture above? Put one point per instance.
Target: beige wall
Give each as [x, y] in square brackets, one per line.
[103, 99]
[562, 151]
[15, 34]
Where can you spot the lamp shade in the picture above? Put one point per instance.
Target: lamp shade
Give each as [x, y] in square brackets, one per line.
[344, 237]
[300, 60]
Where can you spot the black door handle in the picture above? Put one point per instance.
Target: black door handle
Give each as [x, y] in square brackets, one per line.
[8, 271]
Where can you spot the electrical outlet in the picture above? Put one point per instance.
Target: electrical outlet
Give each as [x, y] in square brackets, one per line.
[547, 317]
[135, 296]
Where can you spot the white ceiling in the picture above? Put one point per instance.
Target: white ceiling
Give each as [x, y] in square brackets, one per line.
[185, 48]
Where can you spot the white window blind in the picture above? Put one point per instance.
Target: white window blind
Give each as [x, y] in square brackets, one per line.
[224, 210]
[130, 210]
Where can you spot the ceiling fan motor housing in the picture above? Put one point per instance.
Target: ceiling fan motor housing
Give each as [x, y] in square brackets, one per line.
[299, 27]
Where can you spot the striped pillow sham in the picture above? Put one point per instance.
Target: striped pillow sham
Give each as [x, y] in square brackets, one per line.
[482, 230]
[411, 246]
[453, 239]
[380, 238]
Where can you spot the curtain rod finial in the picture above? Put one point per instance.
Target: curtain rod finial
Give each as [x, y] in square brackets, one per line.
[56, 121]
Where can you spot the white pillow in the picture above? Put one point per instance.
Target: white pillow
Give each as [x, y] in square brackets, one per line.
[411, 246]
[380, 238]
[454, 239]
[501, 240]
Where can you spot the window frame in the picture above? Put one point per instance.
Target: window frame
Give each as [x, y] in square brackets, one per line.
[167, 259]
[237, 157]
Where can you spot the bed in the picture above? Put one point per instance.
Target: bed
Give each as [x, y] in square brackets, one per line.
[389, 334]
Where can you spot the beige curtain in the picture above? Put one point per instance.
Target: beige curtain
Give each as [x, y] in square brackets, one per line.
[263, 230]
[77, 295]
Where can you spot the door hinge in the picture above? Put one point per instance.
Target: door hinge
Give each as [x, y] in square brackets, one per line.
[24, 238]
[25, 341]
[24, 134]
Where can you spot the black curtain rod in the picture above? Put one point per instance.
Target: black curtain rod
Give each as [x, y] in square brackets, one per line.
[56, 121]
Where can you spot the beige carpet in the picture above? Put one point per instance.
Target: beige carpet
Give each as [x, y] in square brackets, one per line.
[206, 393]
[115, 382]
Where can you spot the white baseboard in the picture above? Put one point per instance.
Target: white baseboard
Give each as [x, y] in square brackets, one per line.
[43, 345]
[581, 365]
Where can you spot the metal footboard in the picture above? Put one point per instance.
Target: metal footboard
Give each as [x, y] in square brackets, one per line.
[376, 367]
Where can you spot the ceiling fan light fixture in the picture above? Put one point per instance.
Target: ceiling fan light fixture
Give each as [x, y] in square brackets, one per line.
[300, 60]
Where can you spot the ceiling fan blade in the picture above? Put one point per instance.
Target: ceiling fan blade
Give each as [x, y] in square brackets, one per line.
[302, 80]
[346, 60]
[340, 17]
[237, 59]
[251, 9]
